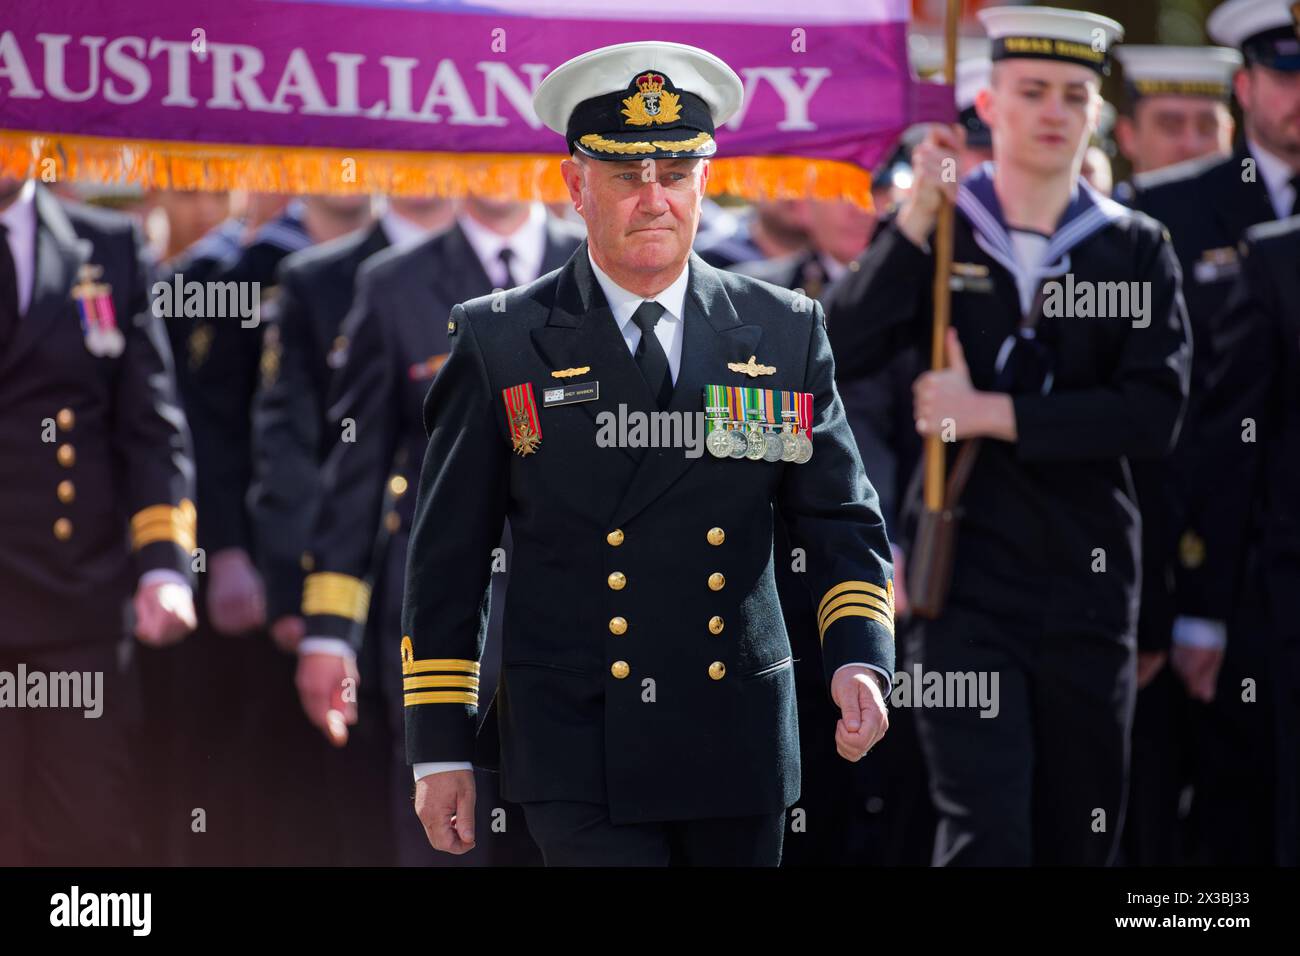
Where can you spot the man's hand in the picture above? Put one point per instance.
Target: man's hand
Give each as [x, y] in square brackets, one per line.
[164, 613]
[236, 598]
[1149, 664]
[934, 179]
[863, 719]
[945, 403]
[1198, 668]
[327, 687]
[288, 631]
[444, 802]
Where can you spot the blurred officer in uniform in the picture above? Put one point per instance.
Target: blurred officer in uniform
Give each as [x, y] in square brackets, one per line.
[647, 708]
[316, 287]
[1045, 573]
[1207, 205]
[1176, 107]
[1250, 432]
[1176, 110]
[390, 349]
[98, 523]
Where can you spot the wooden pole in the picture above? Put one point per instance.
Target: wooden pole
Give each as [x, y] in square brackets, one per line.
[934, 451]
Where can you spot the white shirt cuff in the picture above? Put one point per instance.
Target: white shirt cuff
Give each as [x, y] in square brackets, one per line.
[326, 645]
[888, 679]
[164, 576]
[1200, 632]
[442, 766]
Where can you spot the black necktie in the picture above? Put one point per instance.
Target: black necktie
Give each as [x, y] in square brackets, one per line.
[507, 256]
[8, 291]
[650, 357]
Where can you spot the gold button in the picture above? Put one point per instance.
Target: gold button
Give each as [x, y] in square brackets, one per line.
[620, 669]
[716, 581]
[717, 536]
[308, 561]
[67, 492]
[63, 529]
[67, 456]
[617, 581]
[618, 625]
[615, 537]
[397, 485]
[66, 419]
[715, 625]
[717, 670]
[393, 522]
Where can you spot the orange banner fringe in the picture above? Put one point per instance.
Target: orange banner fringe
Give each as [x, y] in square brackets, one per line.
[159, 164]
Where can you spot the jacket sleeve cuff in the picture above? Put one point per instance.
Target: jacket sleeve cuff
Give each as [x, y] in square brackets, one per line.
[426, 768]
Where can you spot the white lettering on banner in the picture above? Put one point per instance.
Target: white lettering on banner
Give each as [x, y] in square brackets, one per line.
[134, 69]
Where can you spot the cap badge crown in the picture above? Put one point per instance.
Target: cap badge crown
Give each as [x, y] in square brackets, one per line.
[651, 104]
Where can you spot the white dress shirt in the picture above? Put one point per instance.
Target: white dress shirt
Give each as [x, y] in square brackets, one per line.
[400, 231]
[527, 246]
[1276, 174]
[669, 328]
[20, 221]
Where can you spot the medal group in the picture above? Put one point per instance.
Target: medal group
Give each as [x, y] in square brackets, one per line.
[761, 424]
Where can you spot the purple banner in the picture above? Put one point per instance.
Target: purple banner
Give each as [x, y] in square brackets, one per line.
[437, 77]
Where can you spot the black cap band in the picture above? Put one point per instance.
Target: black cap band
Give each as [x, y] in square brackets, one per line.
[1051, 48]
[1278, 48]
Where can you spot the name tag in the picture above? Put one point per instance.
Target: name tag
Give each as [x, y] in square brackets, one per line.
[970, 284]
[570, 394]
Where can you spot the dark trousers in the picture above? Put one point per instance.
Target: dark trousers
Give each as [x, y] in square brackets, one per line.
[581, 834]
[1044, 781]
[1155, 833]
[68, 792]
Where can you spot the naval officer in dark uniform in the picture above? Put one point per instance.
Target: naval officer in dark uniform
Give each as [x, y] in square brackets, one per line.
[1046, 570]
[1250, 448]
[97, 523]
[1207, 207]
[646, 704]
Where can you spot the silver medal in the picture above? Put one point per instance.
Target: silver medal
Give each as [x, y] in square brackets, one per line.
[773, 447]
[738, 443]
[789, 447]
[755, 444]
[805, 449]
[718, 443]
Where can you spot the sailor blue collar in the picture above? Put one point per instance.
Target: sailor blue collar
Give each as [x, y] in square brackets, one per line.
[1087, 212]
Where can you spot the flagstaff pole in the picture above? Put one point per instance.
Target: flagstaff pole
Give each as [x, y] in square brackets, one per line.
[934, 451]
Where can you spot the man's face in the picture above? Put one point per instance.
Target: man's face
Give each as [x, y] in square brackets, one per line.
[1041, 113]
[1173, 129]
[641, 215]
[839, 228]
[1271, 101]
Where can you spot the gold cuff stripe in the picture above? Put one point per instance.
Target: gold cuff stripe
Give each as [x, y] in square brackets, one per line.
[439, 680]
[598, 142]
[854, 610]
[338, 595]
[854, 597]
[442, 697]
[865, 586]
[165, 523]
[440, 664]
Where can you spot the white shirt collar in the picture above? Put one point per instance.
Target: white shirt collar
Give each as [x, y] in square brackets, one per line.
[19, 219]
[623, 303]
[1276, 174]
[400, 230]
[527, 243]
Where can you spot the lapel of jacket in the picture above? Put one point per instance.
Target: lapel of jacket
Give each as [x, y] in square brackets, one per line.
[713, 337]
[59, 254]
[581, 331]
[455, 272]
[1239, 204]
